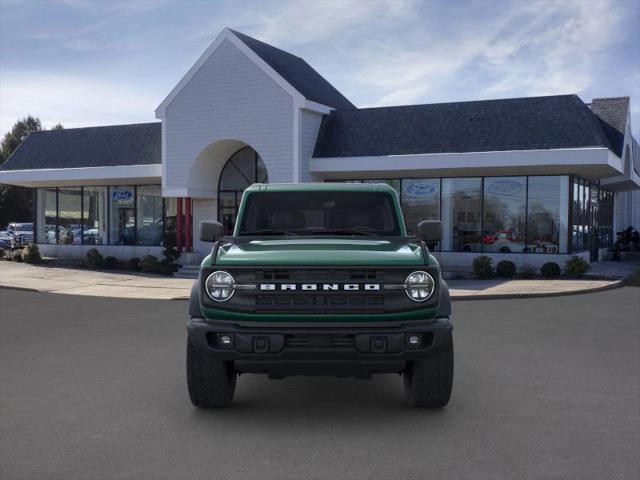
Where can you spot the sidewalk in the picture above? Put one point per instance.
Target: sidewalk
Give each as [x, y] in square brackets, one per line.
[136, 285]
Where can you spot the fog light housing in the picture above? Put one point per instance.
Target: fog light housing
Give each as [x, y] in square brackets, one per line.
[225, 341]
[220, 286]
[419, 286]
[414, 340]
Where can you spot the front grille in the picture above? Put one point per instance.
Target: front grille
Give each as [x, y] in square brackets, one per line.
[319, 276]
[319, 341]
[321, 290]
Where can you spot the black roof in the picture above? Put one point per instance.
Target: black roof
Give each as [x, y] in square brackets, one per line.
[298, 73]
[532, 123]
[613, 116]
[109, 146]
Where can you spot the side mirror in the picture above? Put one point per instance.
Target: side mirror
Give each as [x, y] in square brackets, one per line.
[430, 231]
[210, 231]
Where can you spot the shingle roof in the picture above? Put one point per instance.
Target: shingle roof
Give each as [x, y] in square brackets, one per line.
[298, 73]
[532, 123]
[613, 115]
[138, 144]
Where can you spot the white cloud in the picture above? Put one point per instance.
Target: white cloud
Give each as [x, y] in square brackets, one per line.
[73, 101]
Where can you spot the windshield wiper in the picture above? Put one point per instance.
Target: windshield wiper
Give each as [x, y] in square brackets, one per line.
[267, 231]
[344, 231]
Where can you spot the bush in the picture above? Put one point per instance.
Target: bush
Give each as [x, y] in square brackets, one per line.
[149, 264]
[16, 256]
[133, 263]
[167, 268]
[576, 266]
[550, 270]
[506, 268]
[528, 271]
[31, 254]
[482, 267]
[111, 263]
[94, 259]
[1, 253]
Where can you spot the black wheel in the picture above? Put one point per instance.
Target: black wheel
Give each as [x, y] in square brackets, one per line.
[211, 382]
[428, 382]
[505, 250]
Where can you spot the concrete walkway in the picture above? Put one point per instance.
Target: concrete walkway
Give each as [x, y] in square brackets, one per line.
[135, 285]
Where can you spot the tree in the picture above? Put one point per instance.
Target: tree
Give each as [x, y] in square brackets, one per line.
[16, 203]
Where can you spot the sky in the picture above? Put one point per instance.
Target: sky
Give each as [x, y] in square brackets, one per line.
[86, 63]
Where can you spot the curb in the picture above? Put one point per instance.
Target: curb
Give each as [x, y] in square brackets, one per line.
[505, 296]
[22, 289]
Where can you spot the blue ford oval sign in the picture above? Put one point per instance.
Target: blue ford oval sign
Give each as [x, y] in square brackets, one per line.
[505, 187]
[422, 189]
[122, 194]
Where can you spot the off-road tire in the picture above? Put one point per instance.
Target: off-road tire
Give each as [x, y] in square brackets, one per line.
[428, 382]
[211, 382]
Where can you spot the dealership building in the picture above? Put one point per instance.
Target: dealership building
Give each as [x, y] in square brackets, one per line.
[528, 179]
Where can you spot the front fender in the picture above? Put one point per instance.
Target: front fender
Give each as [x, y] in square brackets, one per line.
[444, 307]
[194, 300]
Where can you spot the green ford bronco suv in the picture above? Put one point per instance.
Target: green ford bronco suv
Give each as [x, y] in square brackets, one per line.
[320, 279]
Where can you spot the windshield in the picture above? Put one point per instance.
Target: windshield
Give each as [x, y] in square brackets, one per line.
[319, 213]
[23, 227]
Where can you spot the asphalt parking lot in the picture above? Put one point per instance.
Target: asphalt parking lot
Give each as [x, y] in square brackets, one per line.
[94, 388]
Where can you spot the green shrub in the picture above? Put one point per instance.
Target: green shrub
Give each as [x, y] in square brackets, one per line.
[31, 254]
[550, 270]
[16, 256]
[482, 267]
[167, 268]
[94, 259]
[576, 266]
[111, 263]
[528, 271]
[149, 264]
[505, 268]
[133, 263]
[2, 253]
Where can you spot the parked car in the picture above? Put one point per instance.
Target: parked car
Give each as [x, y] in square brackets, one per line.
[5, 240]
[19, 234]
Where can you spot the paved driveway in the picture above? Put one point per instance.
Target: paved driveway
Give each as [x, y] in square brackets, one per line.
[544, 388]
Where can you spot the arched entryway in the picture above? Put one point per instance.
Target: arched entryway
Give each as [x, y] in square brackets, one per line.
[243, 168]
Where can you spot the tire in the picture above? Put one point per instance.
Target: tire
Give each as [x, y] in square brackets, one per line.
[211, 382]
[428, 382]
[505, 250]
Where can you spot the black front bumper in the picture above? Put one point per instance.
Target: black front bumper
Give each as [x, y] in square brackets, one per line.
[355, 350]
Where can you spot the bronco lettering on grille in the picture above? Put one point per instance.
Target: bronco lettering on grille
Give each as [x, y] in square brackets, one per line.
[270, 287]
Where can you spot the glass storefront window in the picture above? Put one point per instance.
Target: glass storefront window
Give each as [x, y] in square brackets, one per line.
[548, 203]
[149, 215]
[122, 221]
[46, 215]
[420, 201]
[461, 214]
[504, 215]
[94, 215]
[69, 216]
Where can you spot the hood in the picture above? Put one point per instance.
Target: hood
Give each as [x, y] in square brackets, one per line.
[321, 251]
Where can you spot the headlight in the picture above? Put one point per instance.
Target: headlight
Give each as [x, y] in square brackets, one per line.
[419, 286]
[220, 286]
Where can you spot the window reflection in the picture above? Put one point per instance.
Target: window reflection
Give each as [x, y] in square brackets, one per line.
[46, 215]
[547, 217]
[94, 215]
[149, 210]
[461, 214]
[69, 216]
[504, 215]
